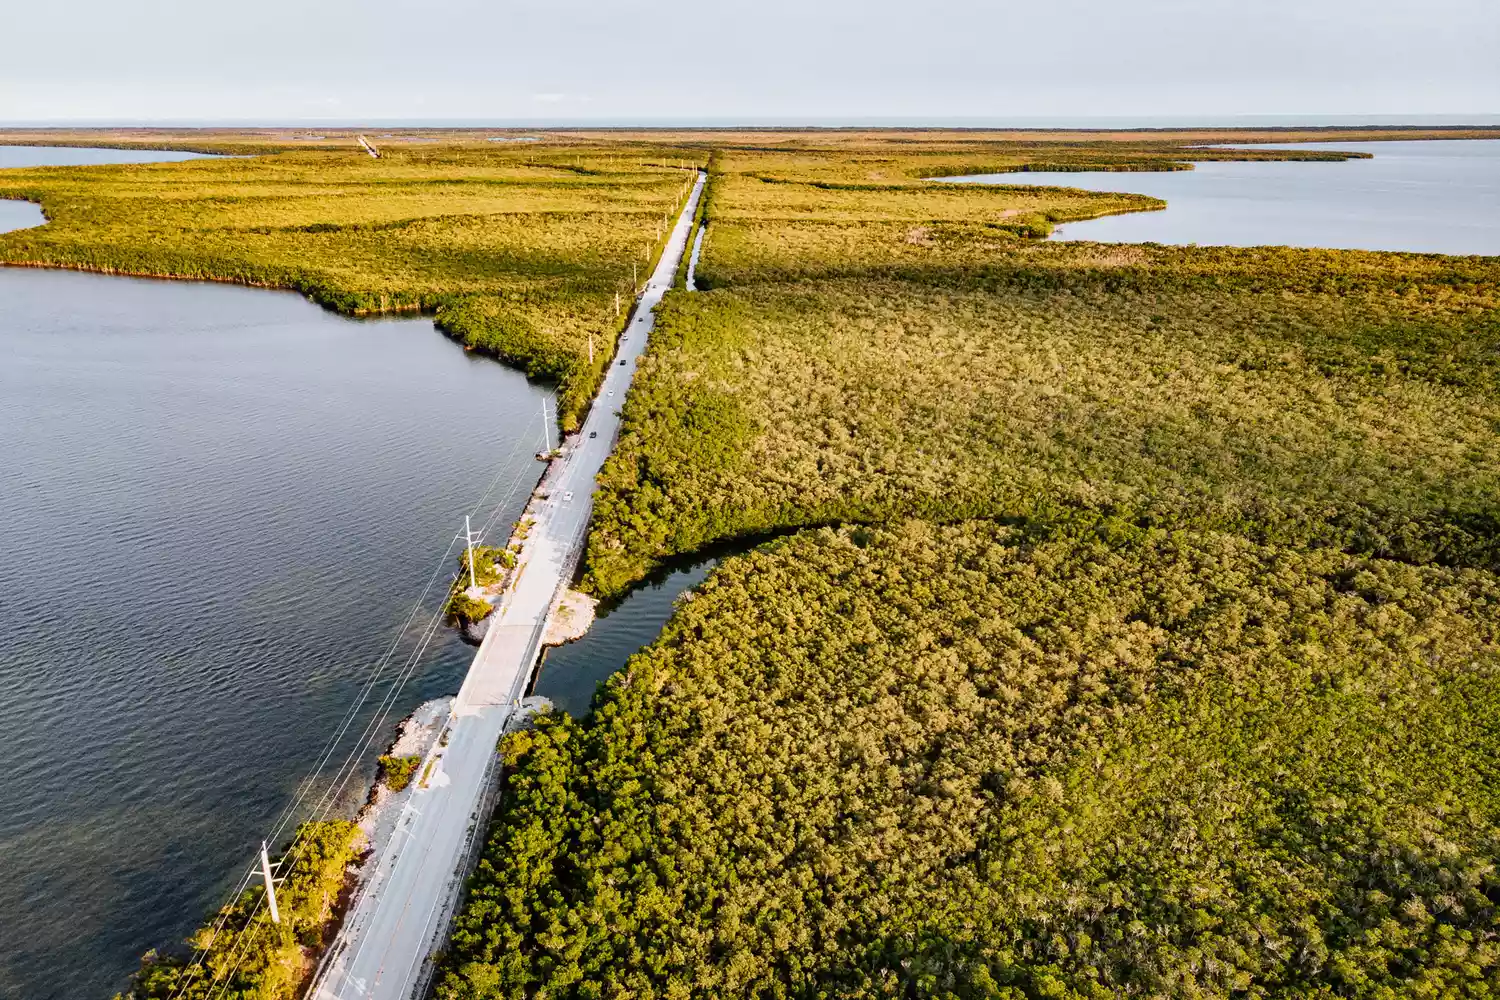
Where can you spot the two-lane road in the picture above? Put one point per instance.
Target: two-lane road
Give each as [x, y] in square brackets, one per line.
[403, 911]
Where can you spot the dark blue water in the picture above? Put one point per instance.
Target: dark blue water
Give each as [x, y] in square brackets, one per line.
[1438, 196]
[218, 506]
[572, 673]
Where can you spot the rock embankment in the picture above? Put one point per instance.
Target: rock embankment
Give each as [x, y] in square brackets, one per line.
[570, 619]
[415, 736]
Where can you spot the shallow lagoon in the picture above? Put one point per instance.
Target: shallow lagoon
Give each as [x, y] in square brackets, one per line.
[24, 215]
[1433, 196]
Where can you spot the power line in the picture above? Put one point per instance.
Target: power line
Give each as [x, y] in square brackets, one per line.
[297, 848]
[305, 785]
[345, 771]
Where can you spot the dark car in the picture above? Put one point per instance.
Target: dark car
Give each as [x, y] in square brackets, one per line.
[593, 434]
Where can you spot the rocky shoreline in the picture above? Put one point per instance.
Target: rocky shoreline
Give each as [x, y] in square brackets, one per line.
[416, 735]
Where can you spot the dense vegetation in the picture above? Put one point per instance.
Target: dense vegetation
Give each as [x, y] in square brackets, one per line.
[1132, 630]
[1359, 413]
[1152, 652]
[875, 347]
[519, 253]
[490, 565]
[397, 772]
[972, 761]
[519, 250]
[240, 954]
[463, 610]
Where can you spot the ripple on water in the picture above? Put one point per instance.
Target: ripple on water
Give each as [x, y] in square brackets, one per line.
[218, 505]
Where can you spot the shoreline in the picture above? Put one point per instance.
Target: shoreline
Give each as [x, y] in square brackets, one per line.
[405, 911]
[416, 735]
[5, 203]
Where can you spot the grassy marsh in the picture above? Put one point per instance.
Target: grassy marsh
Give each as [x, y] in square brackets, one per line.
[1133, 631]
[992, 764]
[517, 253]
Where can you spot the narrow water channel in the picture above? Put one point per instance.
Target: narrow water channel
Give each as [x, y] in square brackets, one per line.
[571, 674]
[218, 506]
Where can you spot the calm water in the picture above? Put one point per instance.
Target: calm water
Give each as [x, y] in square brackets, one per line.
[24, 215]
[217, 509]
[1432, 197]
[19, 215]
[72, 156]
[570, 674]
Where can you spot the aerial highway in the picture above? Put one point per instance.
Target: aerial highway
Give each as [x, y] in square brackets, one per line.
[405, 904]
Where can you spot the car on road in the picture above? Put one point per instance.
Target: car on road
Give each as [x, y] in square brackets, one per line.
[593, 434]
[568, 497]
[611, 392]
[622, 362]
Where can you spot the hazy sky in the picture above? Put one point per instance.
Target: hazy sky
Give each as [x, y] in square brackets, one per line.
[279, 60]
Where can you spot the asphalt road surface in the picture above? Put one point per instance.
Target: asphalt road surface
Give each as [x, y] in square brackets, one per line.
[404, 909]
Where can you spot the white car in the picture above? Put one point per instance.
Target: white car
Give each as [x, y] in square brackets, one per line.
[567, 498]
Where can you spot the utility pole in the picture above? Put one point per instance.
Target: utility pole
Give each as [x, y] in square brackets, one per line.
[265, 871]
[635, 278]
[617, 305]
[469, 544]
[546, 433]
[591, 347]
